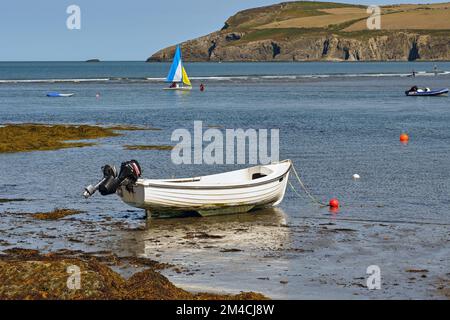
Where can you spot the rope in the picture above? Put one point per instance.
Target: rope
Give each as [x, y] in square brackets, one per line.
[314, 199]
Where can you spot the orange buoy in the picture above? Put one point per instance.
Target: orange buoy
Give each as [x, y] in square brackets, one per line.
[404, 137]
[334, 203]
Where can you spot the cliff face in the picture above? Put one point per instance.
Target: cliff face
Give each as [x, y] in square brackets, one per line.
[395, 46]
[307, 31]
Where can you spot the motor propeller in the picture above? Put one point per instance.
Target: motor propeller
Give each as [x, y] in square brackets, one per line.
[130, 171]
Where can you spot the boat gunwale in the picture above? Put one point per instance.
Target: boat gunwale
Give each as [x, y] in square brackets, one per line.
[217, 187]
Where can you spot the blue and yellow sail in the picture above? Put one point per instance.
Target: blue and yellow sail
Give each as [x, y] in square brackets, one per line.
[177, 72]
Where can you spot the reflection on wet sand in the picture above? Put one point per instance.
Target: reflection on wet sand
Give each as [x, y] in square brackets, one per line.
[227, 248]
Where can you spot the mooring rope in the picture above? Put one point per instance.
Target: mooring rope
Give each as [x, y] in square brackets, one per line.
[308, 193]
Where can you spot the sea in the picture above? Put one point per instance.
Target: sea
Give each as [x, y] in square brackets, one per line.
[335, 119]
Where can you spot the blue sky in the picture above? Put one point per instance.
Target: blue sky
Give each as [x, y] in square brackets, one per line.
[112, 30]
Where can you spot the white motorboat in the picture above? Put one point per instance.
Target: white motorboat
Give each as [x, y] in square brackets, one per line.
[224, 193]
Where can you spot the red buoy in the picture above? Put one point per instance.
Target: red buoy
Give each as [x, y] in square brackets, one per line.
[202, 87]
[334, 203]
[404, 137]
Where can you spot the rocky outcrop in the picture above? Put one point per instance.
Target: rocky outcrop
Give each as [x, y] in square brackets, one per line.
[295, 31]
[226, 45]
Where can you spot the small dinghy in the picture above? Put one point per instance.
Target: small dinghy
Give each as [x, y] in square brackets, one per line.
[226, 193]
[417, 92]
[177, 74]
[57, 94]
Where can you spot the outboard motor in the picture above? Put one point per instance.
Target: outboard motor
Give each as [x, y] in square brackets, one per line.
[413, 89]
[130, 171]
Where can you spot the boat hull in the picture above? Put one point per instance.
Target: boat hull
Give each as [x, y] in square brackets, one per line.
[56, 95]
[179, 89]
[166, 201]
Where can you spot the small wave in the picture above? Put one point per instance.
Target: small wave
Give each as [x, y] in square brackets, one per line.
[208, 78]
[279, 77]
[222, 78]
[155, 79]
[309, 76]
[231, 78]
[54, 80]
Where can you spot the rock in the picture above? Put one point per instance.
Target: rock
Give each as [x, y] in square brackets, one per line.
[396, 46]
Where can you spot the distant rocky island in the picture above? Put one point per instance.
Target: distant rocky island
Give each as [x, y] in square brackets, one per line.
[313, 31]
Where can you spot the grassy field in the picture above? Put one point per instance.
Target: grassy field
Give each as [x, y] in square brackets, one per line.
[254, 18]
[336, 17]
[414, 19]
[326, 18]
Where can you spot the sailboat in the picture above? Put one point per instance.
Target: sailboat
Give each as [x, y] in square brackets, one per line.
[177, 75]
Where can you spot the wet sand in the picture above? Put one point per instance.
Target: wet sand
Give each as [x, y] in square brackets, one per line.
[317, 257]
[33, 274]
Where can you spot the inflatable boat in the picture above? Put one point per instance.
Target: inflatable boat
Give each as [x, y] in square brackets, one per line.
[416, 92]
[57, 94]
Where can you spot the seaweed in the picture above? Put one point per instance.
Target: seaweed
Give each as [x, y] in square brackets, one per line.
[148, 147]
[28, 137]
[28, 274]
[55, 214]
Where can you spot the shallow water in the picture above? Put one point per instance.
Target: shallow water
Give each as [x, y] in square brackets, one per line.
[335, 119]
